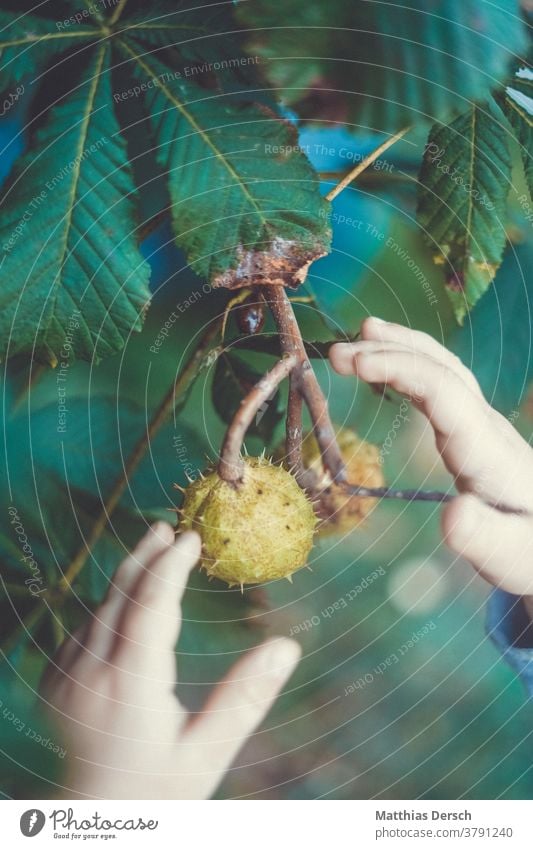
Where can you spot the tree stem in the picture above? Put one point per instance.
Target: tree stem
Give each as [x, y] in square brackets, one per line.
[305, 380]
[294, 428]
[323, 429]
[231, 465]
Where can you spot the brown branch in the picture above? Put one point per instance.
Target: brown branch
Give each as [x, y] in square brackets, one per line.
[323, 429]
[305, 380]
[294, 428]
[289, 333]
[231, 465]
[178, 390]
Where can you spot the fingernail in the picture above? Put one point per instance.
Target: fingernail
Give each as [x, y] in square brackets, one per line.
[340, 357]
[189, 540]
[280, 654]
[377, 319]
[163, 530]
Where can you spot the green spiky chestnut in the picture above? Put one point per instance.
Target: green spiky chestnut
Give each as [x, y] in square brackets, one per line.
[260, 530]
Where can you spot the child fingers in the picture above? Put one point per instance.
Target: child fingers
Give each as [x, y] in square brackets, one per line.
[105, 619]
[374, 346]
[157, 539]
[149, 625]
[377, 330]
[480, 448]
[374, 330]
[498, 545]
[436, 390]
[342, 355]
[239, 704]
[90, 645]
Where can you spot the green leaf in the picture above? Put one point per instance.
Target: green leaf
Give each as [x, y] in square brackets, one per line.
[233, 379]
[497, 343]
[393, 63]
[73, 274]
[464, 183]
[246, 205]
[200, 35]
[28, 42]
[518, 107]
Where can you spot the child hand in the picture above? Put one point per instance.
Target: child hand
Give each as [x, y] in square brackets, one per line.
[112, 688]
[489, 460]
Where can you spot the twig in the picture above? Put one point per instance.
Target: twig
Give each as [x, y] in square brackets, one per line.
[294, 428]
[399, 494]
[289, 333]
[305, 380]
[323, 429]
[304, 383]
[178, 390]
[231, 465]
[269, 343]
[363, 165]
[419, 495]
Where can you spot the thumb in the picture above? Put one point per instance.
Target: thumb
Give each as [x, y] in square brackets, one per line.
[498, 545]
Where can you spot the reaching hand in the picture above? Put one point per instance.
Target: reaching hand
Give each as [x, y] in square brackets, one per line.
[489, 460]
[112, 688]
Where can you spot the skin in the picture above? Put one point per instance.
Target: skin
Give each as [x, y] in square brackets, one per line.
[111, 688]
[490, 462]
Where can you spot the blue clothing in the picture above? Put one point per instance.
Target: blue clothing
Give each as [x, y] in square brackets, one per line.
[511, 629]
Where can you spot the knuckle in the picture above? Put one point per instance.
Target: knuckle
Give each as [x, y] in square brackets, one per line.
[361, 363]
[366, 328]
